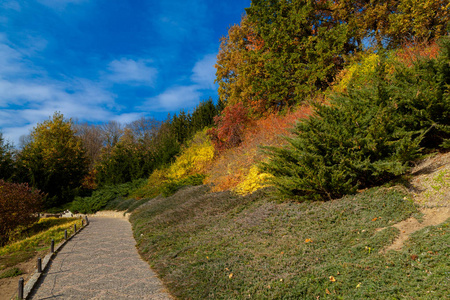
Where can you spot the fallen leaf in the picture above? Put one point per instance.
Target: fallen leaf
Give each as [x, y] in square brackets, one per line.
[231, 275]
[332, 279]
[374, 219]
[328, 291]
[308, 241]
[359, 285]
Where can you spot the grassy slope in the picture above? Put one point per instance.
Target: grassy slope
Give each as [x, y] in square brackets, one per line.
[34, 239]
[216, 245]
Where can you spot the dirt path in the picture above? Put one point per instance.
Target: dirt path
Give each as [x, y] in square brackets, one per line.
[430, 189]
[101, 262]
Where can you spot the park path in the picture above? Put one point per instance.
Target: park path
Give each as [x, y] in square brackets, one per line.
[100, 262]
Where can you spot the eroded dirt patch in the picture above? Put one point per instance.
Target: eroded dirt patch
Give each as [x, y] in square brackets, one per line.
[430, 189]
[432, 217]
[8, 286]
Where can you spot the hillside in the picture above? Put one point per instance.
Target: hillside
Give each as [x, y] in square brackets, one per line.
[321, 171]
[381, 243]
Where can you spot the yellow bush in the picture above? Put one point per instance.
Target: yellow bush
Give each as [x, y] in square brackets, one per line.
[194, 158]
[151, 189]
[252, 182]
[364, 66]
[157, 177]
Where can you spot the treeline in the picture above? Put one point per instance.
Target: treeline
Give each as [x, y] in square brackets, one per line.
[388, 112]
[341, 57]
[64, 158]
[284, 53]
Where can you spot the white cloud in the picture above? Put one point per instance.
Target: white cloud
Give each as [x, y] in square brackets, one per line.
[204, 72]
[174, 98]
[127, 117]
[28, 96]
[187, 96]
[132, 71]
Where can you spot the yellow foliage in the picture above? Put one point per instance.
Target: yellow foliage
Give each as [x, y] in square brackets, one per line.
[364, 66]
[157, 177]
[194, 158]
[252, 182]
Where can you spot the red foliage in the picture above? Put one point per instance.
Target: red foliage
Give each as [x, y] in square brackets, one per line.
[411, 52]
[19, 205]
[231, 167]
[230, 126]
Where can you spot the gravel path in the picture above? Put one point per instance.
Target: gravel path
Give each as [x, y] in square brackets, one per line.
[101, 262]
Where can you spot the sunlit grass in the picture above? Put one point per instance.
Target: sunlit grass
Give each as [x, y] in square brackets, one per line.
[45, 230]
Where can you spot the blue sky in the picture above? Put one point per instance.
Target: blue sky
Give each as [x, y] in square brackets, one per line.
[101, 60]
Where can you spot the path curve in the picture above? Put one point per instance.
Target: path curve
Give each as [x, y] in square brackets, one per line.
[101, 262]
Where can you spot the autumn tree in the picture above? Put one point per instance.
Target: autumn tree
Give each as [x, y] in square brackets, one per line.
[390, 23]
[302, 50]
[419, 20]
[54, 160]
[19, 205]
[93, 139]
[239, 65]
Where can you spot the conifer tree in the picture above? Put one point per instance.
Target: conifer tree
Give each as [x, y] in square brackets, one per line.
[7, 164]
[368, 135]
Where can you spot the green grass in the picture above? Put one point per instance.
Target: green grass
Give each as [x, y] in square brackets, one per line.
[22, 250]
[42, 225]
[13, 272]
[221, 246]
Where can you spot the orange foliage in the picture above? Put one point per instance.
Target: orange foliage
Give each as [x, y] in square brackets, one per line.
[88, 181]
[255, 42]
[231, 167]
[411, 52]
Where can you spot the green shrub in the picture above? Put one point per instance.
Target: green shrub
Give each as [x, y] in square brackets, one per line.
[171, 187]
[368, 135]
[100, 198]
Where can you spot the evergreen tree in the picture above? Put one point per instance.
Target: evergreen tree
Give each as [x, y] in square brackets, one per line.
[7, 165]
[368, 135]
[302, 50]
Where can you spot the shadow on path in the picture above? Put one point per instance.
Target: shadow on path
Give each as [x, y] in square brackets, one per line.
[101, 262]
